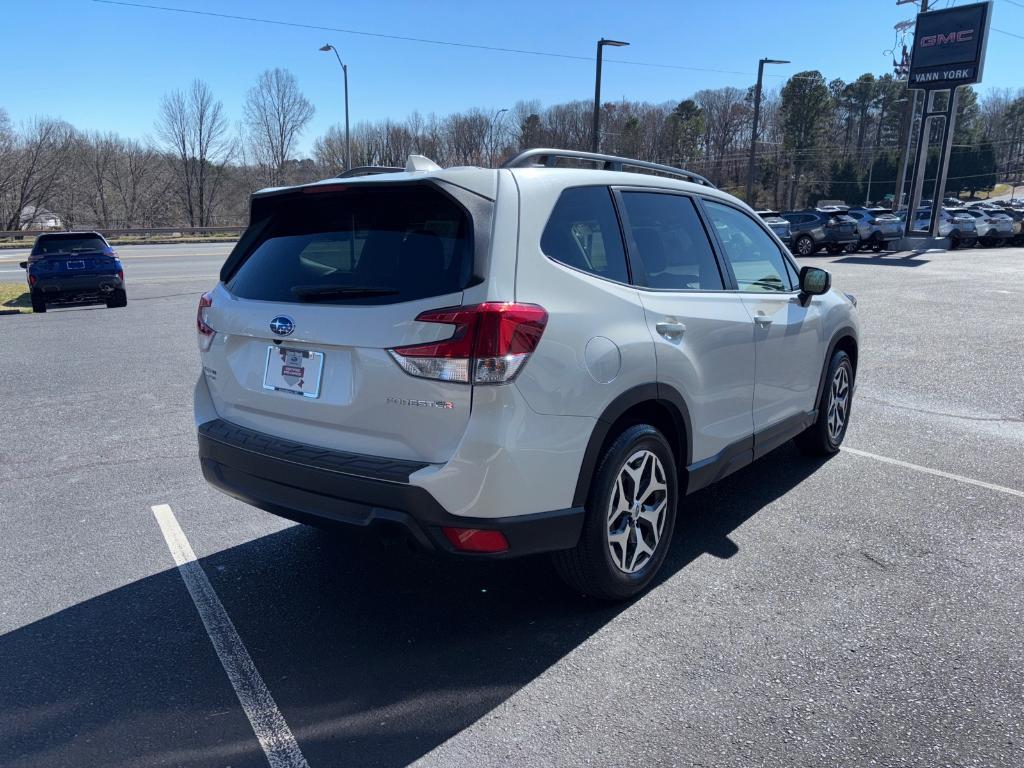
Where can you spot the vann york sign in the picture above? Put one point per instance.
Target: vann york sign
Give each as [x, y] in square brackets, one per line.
[949, 46]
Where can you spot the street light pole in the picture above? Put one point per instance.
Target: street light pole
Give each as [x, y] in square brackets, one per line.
[490, 131]
[596, 138]
[344, 70]
[757, 117]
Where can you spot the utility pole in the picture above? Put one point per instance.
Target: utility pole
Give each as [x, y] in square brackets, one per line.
[753, 130]
[595, 141]
[874, 151]
[901, 178]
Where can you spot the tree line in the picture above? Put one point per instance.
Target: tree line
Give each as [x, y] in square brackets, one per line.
[818, 139]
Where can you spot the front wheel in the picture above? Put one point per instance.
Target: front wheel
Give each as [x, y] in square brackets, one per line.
[630, 516]
[826, 434]
[954, 242]
[38, 303]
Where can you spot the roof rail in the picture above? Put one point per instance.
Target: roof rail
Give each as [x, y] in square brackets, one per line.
[546, 158]
[368, 170]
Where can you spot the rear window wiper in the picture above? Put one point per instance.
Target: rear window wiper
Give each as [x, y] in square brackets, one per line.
[314, 292]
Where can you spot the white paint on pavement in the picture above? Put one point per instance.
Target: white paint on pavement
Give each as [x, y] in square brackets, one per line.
[272, 732]
[936, 472]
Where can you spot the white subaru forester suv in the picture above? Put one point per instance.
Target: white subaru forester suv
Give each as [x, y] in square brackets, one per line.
[534, 358]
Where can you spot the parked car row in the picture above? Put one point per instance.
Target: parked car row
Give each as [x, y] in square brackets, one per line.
[967, 225]
[835, 227]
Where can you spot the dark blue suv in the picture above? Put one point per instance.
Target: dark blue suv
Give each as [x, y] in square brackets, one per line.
[74, 268]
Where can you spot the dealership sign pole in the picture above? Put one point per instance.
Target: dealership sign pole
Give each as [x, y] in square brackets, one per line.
[949, 52]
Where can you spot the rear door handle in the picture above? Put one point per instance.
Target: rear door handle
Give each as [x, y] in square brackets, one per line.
[670, 329]
[762, 321]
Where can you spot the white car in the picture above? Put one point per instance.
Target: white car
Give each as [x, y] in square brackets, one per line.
[957, 224]
[516, 360]
[993, 228]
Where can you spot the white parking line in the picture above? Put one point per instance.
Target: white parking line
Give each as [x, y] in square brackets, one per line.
[936, 472]
[273, 733]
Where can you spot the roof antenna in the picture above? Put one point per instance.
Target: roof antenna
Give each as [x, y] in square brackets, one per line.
[420, 164]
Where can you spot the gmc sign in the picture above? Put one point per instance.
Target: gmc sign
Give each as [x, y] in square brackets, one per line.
[962, 36]
[949, 46]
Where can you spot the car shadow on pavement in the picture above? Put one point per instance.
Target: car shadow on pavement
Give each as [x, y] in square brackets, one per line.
[374, 655]
[894, 259]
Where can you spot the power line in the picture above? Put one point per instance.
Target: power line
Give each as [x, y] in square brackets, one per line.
[1011, 34]
[406, 38]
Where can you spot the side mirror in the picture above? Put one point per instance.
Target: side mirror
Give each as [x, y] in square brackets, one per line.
[23, 264]
[814, 281]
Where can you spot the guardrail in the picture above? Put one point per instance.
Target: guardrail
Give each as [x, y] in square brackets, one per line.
[141, 231]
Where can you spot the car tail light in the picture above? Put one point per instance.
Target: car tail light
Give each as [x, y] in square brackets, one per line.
[32, 280]
[204, 328]
[476, 540]
[120, 275]
[491, 343]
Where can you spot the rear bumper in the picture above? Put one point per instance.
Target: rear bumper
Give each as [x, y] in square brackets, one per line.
[333, 488]
[68, 288]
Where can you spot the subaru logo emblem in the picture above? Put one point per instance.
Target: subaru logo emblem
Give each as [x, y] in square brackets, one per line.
[282, 325]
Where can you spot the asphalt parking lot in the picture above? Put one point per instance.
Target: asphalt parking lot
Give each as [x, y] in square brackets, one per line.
[853, 612]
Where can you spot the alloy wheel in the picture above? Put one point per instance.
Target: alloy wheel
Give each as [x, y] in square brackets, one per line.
[637, 511]
[838, 403]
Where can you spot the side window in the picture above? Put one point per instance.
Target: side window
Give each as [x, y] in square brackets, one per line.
[583, 232]
[756, 261]
[670, 243]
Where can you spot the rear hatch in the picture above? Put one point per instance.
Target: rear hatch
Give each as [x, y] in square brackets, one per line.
[324, 283]
[71, 255]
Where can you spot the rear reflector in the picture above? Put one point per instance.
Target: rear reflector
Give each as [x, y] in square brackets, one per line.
[490, 345]
[476, 540]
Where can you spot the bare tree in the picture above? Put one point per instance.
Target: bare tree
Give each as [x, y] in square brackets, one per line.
[197, 138]
[34, 164]
[276, 113]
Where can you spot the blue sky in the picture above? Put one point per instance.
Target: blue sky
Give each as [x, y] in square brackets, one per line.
[105, 67]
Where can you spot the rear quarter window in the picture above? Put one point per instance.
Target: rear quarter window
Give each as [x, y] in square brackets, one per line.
[583, 233]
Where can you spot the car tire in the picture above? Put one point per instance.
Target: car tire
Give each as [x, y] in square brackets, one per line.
[877, 245]
[852, 247]
[119, 298]
[38, 303]
[606, 562]
[804, 245]
[835, 250]
[826, 434]
[954, 242]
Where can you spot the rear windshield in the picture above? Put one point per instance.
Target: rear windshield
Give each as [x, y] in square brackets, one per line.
[366, 245]
[52, 245]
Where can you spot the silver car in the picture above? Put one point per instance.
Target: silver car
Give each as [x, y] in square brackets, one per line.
[517, 360]
[877, 228]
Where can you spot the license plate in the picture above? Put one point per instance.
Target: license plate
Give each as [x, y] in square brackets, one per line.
[297, 371]
[76, 265]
